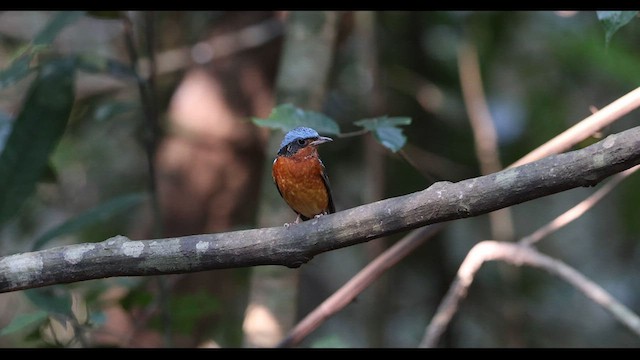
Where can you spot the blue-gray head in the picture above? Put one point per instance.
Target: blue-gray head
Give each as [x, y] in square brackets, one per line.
[300, 137]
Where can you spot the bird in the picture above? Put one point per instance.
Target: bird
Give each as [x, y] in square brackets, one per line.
[300, 175]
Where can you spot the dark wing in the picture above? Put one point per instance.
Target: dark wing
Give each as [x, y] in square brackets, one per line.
[275, 182]
[325, 180]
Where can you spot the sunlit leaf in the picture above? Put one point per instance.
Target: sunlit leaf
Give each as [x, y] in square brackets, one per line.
[24, 321]
[95, 215]
[34, 135]
[386, 130]
[612, 21]
[286, 117]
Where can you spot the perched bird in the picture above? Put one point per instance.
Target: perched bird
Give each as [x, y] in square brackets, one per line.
[300, 176]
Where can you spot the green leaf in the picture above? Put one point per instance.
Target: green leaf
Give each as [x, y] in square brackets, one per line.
[386, 130]
[612, 21]
[55, 26]
[286, 117]
[34, 135]
[18, 69]
[95, 215]
[23, 321]
[52, 299]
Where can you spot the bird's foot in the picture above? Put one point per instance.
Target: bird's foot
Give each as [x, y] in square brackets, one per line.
[286, 225]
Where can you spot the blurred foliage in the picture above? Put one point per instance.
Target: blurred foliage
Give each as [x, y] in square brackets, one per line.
[26, 152]
[541, 71]
[286, 117]
[91, 216]
[187, 309]
[23, 59]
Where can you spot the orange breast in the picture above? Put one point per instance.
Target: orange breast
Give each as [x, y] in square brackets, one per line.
[299, 179]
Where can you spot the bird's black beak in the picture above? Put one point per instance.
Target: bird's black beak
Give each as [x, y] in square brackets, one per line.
[320, 140]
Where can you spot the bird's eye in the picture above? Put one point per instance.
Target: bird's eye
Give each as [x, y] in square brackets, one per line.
[301, 142]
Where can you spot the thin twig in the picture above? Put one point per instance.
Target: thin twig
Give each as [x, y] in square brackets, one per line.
[371, 100]
[411, 161]
[181, 58]
[146, 88]
[518, 254]
[484, 132]
[147, 98]
[353, 133]
[164, 295]
[585, 128]
[577, 211]
[217, 47]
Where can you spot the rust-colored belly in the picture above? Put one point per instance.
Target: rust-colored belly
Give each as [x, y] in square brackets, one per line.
[301, 185]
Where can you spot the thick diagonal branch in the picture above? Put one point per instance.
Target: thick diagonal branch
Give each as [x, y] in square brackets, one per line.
[297, 244]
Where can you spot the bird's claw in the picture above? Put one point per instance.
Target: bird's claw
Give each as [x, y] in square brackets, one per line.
[298, 220]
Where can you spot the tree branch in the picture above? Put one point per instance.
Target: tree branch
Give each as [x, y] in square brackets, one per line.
[298, 244]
